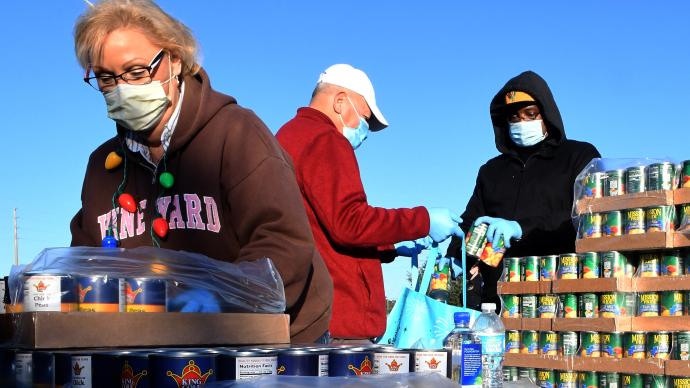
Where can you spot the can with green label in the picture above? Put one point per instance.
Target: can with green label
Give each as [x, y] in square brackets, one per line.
[512, 341]
[530, 268]
[589, 265]
[685, 174]
[613, 379]
[512, 269]
[548, 343]
[547, 306]
[611, 345]
[568, 343]
[615, 183]
[650, 265]
[659, 345]
[547, 267]
[588, 305]
[683, 216]
[681, 346]
[476, 239]
[634, 221]
[588, 379]
[634, 344]
[568, 306]
[528, 306]
[671, 263]
[632, 381]
[546, 378]
[635, 179]
[568, 266]
[660, 176]
[511, 306]
[671, 303]
[527, 374]
[660, 218]
[612, 304]
[594, 184]
[591, 225]
[679, 382]
[613, 223]
[590, 344]
[613, 264]
[529, 342]
[510, 373]
[567, 379]
[654, 381]
[648, 304]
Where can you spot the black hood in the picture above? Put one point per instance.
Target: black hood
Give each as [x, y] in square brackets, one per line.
[532, 84]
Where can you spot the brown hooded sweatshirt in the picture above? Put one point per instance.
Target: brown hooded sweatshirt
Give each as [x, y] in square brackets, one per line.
[235, 198]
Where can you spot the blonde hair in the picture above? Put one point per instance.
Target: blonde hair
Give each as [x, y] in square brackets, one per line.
[162, 29]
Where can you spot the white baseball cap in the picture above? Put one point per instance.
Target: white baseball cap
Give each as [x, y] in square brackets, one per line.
[356, 80]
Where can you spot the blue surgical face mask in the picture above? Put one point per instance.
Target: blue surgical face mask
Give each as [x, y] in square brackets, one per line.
[527, 133]
[355, 136]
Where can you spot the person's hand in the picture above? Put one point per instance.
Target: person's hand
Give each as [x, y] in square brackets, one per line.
[444, 223]
[196, 300]
[413, 248]
[499, 227]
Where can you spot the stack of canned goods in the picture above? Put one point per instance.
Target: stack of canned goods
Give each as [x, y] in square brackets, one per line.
[589, 265]
[635, 179]
[178, 367]
[572, 379]
[630, 221]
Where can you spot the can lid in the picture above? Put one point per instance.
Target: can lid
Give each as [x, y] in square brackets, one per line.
[488, 306]
[461, 317]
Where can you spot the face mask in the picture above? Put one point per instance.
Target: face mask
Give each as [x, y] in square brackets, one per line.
[138, 107]
[527, 133]
[355, 136]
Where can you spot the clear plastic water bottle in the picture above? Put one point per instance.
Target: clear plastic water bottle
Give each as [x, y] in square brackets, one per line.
[466, 362]
[490, 330]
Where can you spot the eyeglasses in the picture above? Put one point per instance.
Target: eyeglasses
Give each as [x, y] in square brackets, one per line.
[524, 115]
[137, 76]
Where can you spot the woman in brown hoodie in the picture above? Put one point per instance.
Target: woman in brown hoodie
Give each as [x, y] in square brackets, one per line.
[189, 168]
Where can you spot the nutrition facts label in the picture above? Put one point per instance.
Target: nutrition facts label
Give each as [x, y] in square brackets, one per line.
[250, 367]
[323, 365]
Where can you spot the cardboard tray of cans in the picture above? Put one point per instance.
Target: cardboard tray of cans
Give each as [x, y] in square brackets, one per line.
[598, 364]
[633, 200]
[521, 288]
[618, 324]
[677, 368]
[633, 242]
[55, 330]
[539, 324]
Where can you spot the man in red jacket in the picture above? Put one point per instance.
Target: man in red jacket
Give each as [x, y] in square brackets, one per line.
[353, 237]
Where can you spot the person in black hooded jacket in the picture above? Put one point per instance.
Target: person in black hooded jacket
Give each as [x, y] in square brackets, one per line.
[526, 193]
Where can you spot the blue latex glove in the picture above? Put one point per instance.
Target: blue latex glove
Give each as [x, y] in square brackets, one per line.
[443, 223]
[500, 227]
[412, 248]
[456, 266]
[196, 300]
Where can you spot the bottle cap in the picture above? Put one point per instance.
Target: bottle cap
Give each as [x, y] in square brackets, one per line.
[489, 306]
[461, 317]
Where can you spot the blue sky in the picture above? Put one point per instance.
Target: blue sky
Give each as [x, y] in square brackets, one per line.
[620, 73]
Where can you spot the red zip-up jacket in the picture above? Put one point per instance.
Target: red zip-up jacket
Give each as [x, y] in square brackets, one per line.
[352, 236]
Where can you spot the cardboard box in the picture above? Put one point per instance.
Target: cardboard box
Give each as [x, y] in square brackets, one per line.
[681, 196]
[538, 324]
[662, 283]
[627, 201]
[49, 330]
[620, 365]
[634, 242]
[522, 288]
[677, 368]
[592, 285]
[661, 323]
[593, 324]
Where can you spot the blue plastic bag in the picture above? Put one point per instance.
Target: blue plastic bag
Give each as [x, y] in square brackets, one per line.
[420, 322]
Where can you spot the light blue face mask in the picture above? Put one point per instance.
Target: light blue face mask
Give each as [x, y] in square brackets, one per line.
[355, 136]
[527, 133]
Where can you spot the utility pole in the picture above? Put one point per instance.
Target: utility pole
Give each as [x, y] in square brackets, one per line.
[16, 240]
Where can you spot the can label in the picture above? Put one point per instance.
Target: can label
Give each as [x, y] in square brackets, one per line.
[510, 373]
[23, 372]
[613, 264]
[589, 265]
[512, 269]
[511, 306]
[635, 179]
[529, 342]
[615, 183]
[546, 378]
[613, 224]
[649, 265]
[133, 371]
[476, 239]
[611, 345]
[568, 266]
[594, 184]
[548, 343]
[142, 295]
[568, 306]
[680, 382]
[613, 304]
[634, 344]
[682, 346]
[49, 293]
[685, 174]
[590, 344]
[660, 176]
[567, 379]
[612, 379]
[528, 306]
[632, 381]
[589, 379]
[547, 267]
[512, 341]
[671, 264]
[654, 381]
[530, 268]
[671, 303]
[591, 226]
[493, 253]
[547, 306]
[569, 343]
[81, 372]
[659, 345]
[430, 361]
[686, 302]
[391, 363]
[589, 305]
[191, 371]
[660, 218]
[634, 221]
[684, 216]
[99, 294]
[648, 304]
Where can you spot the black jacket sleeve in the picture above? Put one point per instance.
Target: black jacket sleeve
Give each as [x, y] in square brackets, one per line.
[474, 210]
